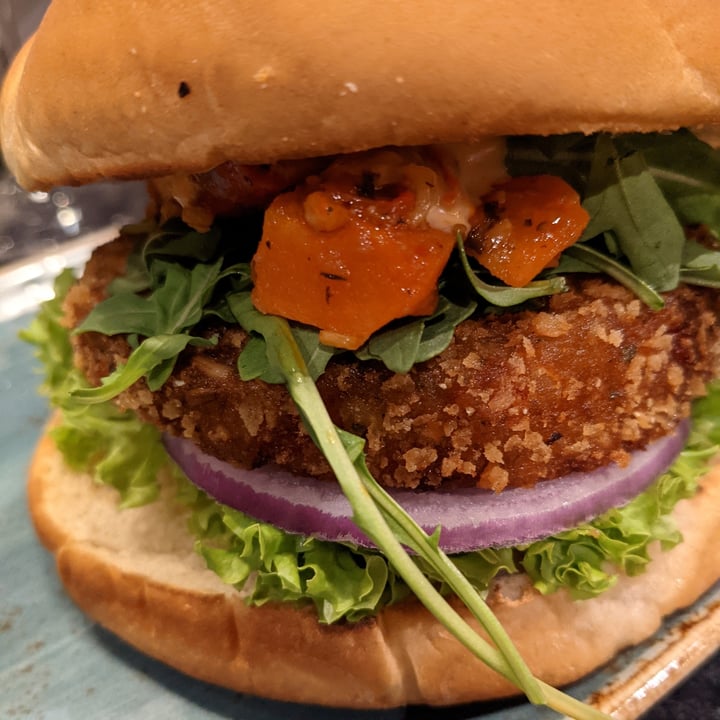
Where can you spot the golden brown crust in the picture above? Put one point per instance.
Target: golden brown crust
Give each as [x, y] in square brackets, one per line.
[510, 402]
[101, 92]
[138, 576]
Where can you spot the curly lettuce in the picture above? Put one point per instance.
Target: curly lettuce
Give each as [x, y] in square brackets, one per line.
[116, 447]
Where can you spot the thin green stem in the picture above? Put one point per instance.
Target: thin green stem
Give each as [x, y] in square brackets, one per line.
[370, 519]
[618, 272]
[371, 505]
[419, 541]
[386, 524]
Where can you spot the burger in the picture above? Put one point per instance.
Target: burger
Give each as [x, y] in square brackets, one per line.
[405, 390]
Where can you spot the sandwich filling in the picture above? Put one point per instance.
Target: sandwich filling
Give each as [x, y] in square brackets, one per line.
[514, 325]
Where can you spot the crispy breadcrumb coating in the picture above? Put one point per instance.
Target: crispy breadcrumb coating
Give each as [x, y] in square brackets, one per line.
[517, 398]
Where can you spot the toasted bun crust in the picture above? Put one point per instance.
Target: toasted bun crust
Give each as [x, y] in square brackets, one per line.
[135, 572]
[159, 86]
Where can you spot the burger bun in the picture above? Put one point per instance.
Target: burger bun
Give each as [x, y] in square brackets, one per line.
[111, 90]
[135, 572]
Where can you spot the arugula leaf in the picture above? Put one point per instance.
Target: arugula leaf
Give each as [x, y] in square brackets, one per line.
[176, 241]
[439, 329]
[624, 201]
[567, 156]
[398, 347]
[124, 312]
[253, 363]
[286, 355]
[176, 304]
[316, 355]
[164, 317]
[503, 295]
[135, 279]
[150, 354]
[597, 262]
[173, 240]
[687, 170]
[700, 266]
[402, 346]
[182, 294]
[633, 185]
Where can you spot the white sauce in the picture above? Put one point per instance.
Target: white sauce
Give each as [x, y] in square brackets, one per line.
[478, 167]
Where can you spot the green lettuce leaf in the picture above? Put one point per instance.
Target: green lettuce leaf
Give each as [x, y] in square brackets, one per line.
[341, 582]
[502, 295]
[115, 447]
[51, 340]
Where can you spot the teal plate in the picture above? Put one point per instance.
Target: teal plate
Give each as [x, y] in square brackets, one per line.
[55, 664]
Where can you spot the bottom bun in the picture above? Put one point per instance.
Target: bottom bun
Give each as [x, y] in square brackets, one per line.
[135, 572]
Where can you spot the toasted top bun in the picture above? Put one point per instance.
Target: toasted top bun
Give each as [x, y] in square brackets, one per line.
[135, 572]
[153, 87]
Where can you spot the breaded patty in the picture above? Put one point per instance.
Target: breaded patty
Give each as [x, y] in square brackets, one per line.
[516, 398]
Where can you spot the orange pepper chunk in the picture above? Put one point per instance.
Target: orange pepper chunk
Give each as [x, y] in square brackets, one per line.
[524, 225]
[347, 268]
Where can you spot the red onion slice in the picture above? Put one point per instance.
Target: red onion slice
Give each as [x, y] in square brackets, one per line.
[470, 519]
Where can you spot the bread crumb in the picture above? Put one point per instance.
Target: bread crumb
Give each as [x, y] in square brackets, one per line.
[552, 326]
[419, 458]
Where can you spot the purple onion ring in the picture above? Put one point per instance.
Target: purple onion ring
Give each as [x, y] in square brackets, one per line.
[470, 518]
